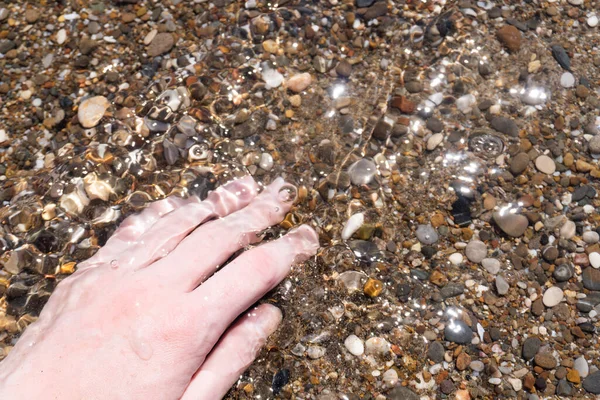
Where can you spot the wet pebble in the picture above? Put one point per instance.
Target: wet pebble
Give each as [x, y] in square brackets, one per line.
[434, 140]
[510, 37]
[427, 234]
[476, 251]
[513, 225]
[502, 285]
[354, 345]
[519, 163]
[362, 172]
[315, 352]
[458, 331]
[377, 346]
[352, 225]
[491, 265]
[545, 164]
[591, 278]
[161, 44]
[553, 296]
[506, 126]
[299, 82]
[92, 110]
[567, 80]
[436, 351]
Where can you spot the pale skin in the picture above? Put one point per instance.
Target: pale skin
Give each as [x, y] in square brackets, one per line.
[151, 315]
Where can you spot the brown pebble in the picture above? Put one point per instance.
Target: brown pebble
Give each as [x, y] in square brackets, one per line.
[510, 37]
[373, 287]
[462, 361]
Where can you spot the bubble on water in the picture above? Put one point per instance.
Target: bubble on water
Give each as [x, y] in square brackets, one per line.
[114, 264]
[362, 172]
[288, 193]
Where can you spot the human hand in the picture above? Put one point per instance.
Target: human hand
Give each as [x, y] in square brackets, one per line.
[147, 317]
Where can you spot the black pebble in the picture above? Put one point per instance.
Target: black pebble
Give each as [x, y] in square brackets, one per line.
[280, 379]
[561, 57]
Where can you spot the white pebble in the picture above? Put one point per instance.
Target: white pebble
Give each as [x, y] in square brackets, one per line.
[315, 352]
[567, 80]
[354, 345]
[434, 140]
[456, 258]
[567, 231]
[150, 37]
[377, 345]
[61, 36]
[594, 259]
[390, 377]
[465, 103]
[581, 366]
[3, 136]
[592, 21]
[352, 225]
[553, 296]
[517, 384]
[266, 161]
[36, 102]
[591, 237]
[26, 94]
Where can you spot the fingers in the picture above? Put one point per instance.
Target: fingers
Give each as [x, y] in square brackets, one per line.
[247, 278]
[167, 232]
[133, 227]
[235, 351]
[213, 243]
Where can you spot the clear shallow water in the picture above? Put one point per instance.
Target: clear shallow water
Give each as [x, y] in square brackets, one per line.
[429, 118]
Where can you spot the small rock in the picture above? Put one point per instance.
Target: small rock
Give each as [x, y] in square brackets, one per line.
[92, 110]
[568, 230]
[530, 347]
[581, 365]
[592, 21]
[476, 251]
[562, 273]
[594, 259]
[161, 44]
[513, 225]
[458, 331]
[516, 384]
[491, 265]
[315, 352]
[61, 36]
[402, 393]
[456, 258]
[32, 15]
[462, 361]
[427, 234]
[300, 82]
[376, 10]
[373, 287]
[352, 225]
[545, 360]
[590, 237]
[519, 163]
[510, 37]
[434, 140]
[377, 346]
[502, 285]
[567, 80]
[354, 345]
[553, 296]
[591, 278]
[506, 126]
[436, 351]
[362, 172]
[545, 164]
[592, 383]
[344, 69]
[594, 144]
[561, 56]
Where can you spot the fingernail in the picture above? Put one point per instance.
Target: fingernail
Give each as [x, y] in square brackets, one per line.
[269, 319]
[305, 242]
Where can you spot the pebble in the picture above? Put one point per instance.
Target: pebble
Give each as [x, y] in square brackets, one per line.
[553, 296]
[592, 383]
[300, 82]
[545, 164]
[458, 331]
[427, 234]
[592, 21]
[456, 258]
[594, 258]
[92, 110]
[354, 345]
[362, 172]
[476, 251]
[491, 265]
[505, 125]
[516, 384]
[581, 365]
[567, 80]
[61, 36]
[502, 285]
[161, 44]
[436, 352]
[402, 393]
[352, 225]
[377, 346]
[594, 145]
[477, 366]
[266, 161]
[434, 140]
[562, 273]
[465, 103]
[510, 37]
[272, 78]
[390, 377]
[519, 163]
[513, 225]
[591, 278]
[531, 346]
[315, 352]
[568, 230]
[590, 237]
[545, 360]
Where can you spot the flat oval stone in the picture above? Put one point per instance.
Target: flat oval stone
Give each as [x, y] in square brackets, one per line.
[545, 164]
[591, 278]
[427, 234]
[476, 251]
[592, 383]
[553, 296]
